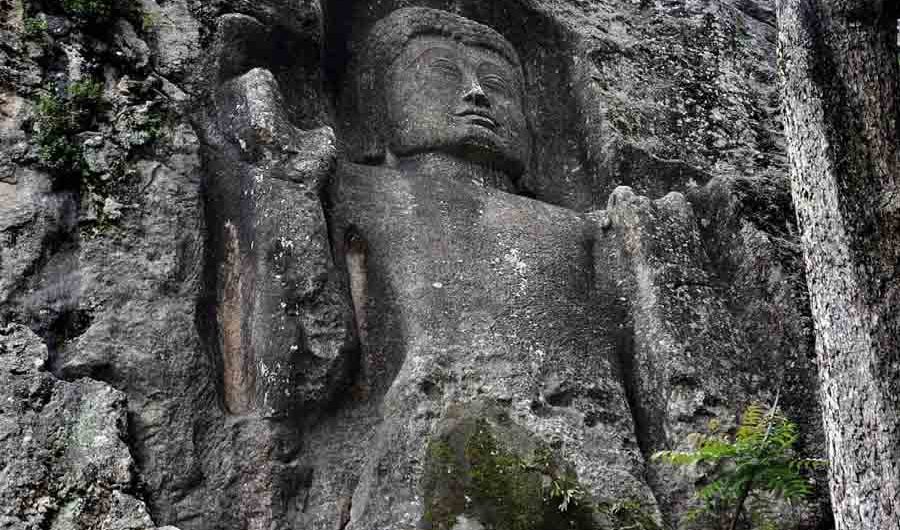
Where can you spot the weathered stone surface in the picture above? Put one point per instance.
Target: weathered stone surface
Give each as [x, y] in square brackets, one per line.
[175, 38]
[748, 227]
[500, 310]
[687, 353]
[687, 82]
[283, 321]
[748, 230]
[129, 46]
[64, 459]
[463, 292]
[18, 67]
[840, 83]
[14, 111]
[698, 354]
[484, 471]
[34, 222]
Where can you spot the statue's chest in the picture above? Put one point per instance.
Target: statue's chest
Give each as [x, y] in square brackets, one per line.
[451, 255]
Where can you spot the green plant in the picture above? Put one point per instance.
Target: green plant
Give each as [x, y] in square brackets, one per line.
[85, 94]
[502, 478]
[35, 27]
[628, 514]
[149, 21]
[55, 125]
[89, 10]
[143, 124]
[759, 460]
[59, 120]
[566, 491]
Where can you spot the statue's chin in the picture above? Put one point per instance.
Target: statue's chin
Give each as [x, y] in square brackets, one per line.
[489, 152]
[473, 143]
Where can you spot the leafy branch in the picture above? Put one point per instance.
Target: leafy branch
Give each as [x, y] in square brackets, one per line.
[759, 459]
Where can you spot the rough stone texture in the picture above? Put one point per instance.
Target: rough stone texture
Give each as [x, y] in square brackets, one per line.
[685, 356]
[692, 311]
[747, 226]
[283, 322]
[690, 81]
[17, 55]
[174, 35]
[501, 309]
[122, 281]
[63, 453]
[838, 62]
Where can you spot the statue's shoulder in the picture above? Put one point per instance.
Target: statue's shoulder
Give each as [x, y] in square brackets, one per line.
[535, 210]
[352, 174]
[359, 188]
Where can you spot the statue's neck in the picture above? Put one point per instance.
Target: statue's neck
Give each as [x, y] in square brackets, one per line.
[445, 165]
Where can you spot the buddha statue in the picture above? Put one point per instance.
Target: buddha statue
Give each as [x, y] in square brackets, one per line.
[467, 296]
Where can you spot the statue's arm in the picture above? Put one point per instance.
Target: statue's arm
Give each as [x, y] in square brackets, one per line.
[283, 318]
[683, 353]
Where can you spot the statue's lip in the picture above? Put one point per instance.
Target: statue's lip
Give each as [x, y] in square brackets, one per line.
[480, 117]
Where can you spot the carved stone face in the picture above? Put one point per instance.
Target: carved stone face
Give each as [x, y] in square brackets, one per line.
[447, 96]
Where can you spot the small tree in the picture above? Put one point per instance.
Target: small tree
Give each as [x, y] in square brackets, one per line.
[759, 459]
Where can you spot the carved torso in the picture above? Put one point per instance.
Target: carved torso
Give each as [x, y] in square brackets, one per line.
[460, 279]
[459, 270]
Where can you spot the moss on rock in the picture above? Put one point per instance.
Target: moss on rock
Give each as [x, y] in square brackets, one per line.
[492, 471]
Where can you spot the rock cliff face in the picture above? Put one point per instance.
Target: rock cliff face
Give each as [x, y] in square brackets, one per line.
[66, 463]
[181, 339]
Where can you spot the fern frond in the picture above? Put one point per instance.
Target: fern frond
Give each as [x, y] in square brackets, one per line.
[715, 449]
[801, 465]
[678, 458]
[752, 422]
[760, 458]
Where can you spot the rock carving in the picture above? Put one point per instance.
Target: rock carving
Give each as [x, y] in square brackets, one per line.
[469, 293]
[431, 82]
[410, 290]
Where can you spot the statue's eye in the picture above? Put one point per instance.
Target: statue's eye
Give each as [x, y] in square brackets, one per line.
[494, 82]
[444, 68]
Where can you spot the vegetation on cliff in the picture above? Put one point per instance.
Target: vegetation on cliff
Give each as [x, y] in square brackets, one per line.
[754, 466]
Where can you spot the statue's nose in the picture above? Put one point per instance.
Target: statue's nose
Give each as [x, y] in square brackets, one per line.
[475, 95]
